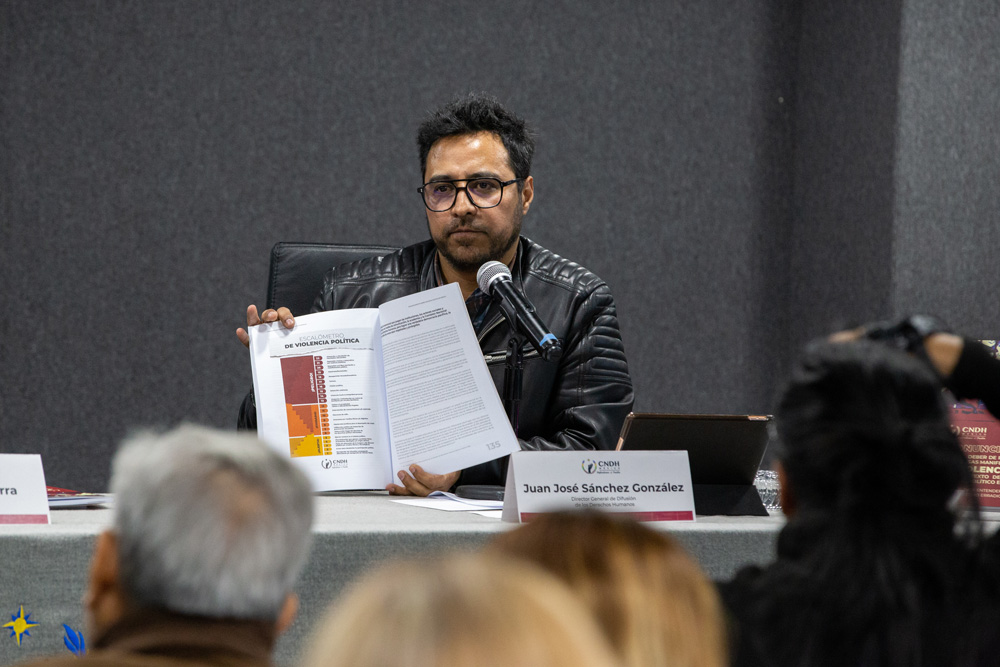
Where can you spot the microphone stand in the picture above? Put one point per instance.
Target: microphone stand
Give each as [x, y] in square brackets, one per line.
[513, 375]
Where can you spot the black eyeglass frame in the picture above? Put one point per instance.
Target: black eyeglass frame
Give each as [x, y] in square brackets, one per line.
[503, 186]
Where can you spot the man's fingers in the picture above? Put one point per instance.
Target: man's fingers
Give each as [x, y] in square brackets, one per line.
[285, 316]
[270, 315]
[433, 481]
[419, 482]
[412, 485]
[427, 479]
[252, 318]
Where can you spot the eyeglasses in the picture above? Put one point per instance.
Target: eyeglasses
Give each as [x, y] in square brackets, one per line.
[482, 192]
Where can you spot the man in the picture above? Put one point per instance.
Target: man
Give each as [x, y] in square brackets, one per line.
[210, 532]
[475, 158]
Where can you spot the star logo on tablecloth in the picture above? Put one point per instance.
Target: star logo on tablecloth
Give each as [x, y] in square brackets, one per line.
[20, 624]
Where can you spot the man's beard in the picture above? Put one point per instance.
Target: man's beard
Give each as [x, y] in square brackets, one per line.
[497, 248]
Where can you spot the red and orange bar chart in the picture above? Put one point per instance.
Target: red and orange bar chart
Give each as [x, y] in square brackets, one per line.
[305, 404]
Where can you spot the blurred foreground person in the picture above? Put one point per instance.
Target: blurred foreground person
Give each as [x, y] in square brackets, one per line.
[209, 535]
[651, 598]
[878, 564]
[458, 610]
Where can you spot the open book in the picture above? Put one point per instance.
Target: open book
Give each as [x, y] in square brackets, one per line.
[353, 396]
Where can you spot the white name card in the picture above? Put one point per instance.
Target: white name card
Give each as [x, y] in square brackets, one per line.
[649, 486]
[23, 498]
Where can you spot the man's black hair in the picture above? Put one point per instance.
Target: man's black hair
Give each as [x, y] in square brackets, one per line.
[479, 112]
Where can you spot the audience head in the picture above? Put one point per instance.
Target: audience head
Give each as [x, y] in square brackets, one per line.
[479, 113]
[652, 600]
[863, 429]
[458, 610]
[206, 523]
[871, 569]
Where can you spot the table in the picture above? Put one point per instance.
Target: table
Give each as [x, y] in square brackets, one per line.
[45, 567]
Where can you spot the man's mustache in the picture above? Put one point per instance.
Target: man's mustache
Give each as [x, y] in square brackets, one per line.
[463, 226]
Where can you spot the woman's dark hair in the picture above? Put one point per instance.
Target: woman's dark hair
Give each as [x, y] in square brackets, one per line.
[478, 112]
[863, 431]
[871, 568]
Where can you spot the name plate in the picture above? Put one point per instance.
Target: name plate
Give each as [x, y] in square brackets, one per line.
[23, 498]
[649, 486]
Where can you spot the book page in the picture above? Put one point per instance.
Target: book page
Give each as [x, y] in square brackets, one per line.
[320, 398]
[444, 411]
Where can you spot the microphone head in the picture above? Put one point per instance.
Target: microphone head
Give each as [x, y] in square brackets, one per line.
[489, 273]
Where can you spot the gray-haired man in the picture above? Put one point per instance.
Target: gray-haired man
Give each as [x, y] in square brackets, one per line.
[210, 533]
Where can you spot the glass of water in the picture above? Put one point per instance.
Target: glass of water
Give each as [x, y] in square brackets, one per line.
[766, 482]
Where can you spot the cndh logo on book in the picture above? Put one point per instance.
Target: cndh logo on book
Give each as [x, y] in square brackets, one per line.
[333, 463]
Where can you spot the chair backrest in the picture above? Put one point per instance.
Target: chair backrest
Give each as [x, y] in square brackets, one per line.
[297, 270]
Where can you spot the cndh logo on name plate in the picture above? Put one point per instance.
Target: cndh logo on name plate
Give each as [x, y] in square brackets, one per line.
[591, 466]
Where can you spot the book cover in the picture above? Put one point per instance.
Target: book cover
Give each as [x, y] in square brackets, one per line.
[979, 434]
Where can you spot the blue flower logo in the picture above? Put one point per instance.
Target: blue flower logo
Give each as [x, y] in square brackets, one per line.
[74, 641]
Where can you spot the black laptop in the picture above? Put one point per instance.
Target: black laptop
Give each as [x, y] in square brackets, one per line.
[724, 452]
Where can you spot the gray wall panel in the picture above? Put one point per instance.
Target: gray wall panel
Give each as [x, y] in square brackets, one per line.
[947, 225]
[744, 175]
[841, 243]
[155, 151]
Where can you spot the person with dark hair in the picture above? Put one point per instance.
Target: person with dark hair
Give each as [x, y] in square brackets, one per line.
[479, 113]
[475, 160]
[880, 561]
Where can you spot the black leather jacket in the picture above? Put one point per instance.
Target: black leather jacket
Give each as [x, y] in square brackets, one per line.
[577, 403]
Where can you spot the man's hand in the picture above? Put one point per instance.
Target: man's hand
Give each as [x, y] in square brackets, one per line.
[269, 315]
[420, 483]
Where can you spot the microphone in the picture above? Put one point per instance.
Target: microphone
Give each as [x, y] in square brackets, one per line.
[495, 280]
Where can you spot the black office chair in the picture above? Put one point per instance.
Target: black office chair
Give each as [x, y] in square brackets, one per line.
[297, 270]
[294, 279]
